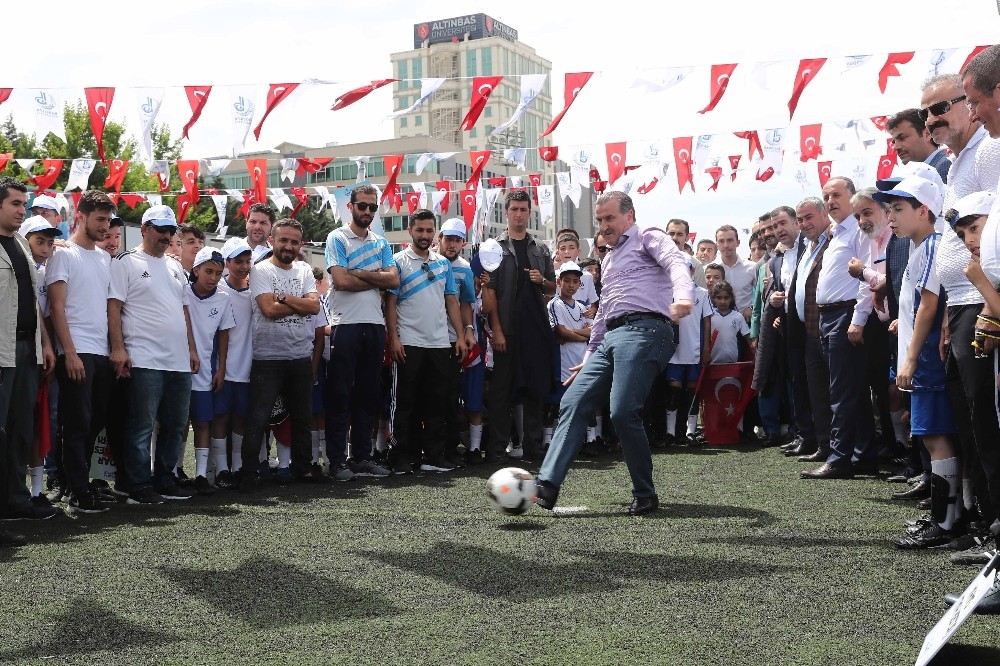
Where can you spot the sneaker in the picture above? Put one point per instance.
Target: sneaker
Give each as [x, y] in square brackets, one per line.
[55, 494]
[41, 500]
[264, 471]
[172, 491]
[515, 452]
[145, 496]
[931, 536]
[979, 554]
[342, 472]
[182, 478]
[86, 504]
[29, 511]
[283, 475]
[436, 466]
[368, 468]
[225, 480]
[473, 457]
[202, 486]
[401, 466]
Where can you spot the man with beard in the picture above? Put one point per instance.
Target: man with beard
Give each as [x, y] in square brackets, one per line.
[284, 299]
[260, 217]
[360, 264]
[913, 143]
[706, 252]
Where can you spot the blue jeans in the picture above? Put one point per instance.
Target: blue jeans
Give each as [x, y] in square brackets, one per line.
[155, 396]
[626, 363]
[769, 408]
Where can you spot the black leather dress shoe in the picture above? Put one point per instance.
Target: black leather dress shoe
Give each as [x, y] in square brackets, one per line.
[989, 605]
[920, 490]
[817, 455]
[642, 505]
[546, 494]
[827, 471]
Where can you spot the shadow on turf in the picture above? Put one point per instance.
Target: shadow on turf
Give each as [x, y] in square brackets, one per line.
[496, 574]
[673, 511]
[796, 542]
[957, 654]
[85, 626]
[265, 592]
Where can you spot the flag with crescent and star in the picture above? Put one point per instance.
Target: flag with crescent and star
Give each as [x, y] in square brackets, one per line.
[99, 104]
[725, 393]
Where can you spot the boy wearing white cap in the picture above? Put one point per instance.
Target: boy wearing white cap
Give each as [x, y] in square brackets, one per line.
[48, 208]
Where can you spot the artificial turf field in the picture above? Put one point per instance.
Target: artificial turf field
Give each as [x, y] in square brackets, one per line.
[744, 564]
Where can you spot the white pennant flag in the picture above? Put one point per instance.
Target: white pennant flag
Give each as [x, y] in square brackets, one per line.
[427, 88]
[154, 199]
[702, 151]
[659, 80]
[324, 197]
[242, 106]
[280, 199]
[938, 58]
[236, 195]
[162, 170]
[437, 196]
[516, 155]
[580, 176]
[49, 109]
[421, 189]
[62, 201]
[147, 104]
[214, 168]
[288, 166]
[531, 87]
[79, 174]
[568, 187]
[425, 159]
[546, 205]
[853, 62]
[515, 181]
[220, 201]
[772, 141]
[362, 162]
[26, 163]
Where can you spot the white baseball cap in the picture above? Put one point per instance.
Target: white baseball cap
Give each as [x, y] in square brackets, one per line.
[45, 201]
[37, 223]
[915, 187]
[160, 216]
[207, 253]
[234, 247]
[912, 168]
[490, 255]
[454, 227]
[971, 205]
[569, 267]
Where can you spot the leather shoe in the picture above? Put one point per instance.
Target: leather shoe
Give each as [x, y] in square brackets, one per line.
[11, 540]
[924, 504]
[546, 494]
[642, 505]
[989, 605]
[921, 490]
[828, 471]
[816, 456]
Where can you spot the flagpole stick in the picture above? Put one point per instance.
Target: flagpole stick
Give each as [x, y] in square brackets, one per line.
[704, 367]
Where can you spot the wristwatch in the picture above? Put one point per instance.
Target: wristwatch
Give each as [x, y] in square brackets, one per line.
[281, 299]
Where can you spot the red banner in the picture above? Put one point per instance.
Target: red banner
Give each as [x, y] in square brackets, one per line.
[197, 98]
[725, 393]
[719, 84]
[682, 158]
[99, 104]
[808, 68]
[276, 94]
[575, 81]
[482, 88]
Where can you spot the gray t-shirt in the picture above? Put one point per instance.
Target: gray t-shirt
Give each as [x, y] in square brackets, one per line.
[288, 337]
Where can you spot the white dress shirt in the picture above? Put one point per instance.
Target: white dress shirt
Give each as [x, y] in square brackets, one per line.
[835, 284]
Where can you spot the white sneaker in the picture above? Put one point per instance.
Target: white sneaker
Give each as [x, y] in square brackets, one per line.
[515, 452]
[435, 467]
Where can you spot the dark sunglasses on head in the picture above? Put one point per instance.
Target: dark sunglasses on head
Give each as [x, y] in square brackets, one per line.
[430, 272]
[939, 108]
[363, 206]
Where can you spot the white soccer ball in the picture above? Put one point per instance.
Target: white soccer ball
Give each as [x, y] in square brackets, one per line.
[511, 490]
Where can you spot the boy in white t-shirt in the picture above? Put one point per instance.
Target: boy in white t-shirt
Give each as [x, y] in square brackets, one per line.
[568, 250]
[685, 365]
[211, 320]
[569, 321]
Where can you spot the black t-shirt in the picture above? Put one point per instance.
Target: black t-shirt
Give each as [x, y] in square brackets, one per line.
[521, 252]
[27, 318]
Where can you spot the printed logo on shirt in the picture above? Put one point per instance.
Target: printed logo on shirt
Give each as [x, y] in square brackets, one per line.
[145, 274]
[213, 312]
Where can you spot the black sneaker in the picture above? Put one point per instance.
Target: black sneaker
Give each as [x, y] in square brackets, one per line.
[979, 554]
[546, 495]
[144, 496]
[41, 500]
[202, 486]
[225, 480]
[29, 511]
[931, 536]
[473, 457]
[86, 504]
[172, 491]
[55, 494]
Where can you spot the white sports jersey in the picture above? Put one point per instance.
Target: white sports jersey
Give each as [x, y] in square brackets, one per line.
[240, 355]
[87, 274]
[209, 315]
[730, 327]
[688, 350]
[570, 353]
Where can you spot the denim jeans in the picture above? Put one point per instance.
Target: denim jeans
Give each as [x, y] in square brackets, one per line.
[155, 396]
[626, 363]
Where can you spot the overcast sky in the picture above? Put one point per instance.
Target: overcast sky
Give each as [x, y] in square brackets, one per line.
[181, 42]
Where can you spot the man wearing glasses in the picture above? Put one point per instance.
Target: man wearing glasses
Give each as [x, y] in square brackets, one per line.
[153, 347]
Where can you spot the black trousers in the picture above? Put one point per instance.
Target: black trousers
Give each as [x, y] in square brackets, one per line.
[850, 408]
[818, 379]
[18, 391]
[500, 399]
[421, 391]
[801, 412]
[83, 408]
[877, 345]
[293, 381]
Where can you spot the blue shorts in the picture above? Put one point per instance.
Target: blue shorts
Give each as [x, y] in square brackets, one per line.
[234, 398]
[930, 413]
[472, 387]
[686, 373]
[202, 409]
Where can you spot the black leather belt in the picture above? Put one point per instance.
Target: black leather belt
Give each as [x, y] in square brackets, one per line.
[630, 317]
[837, 305]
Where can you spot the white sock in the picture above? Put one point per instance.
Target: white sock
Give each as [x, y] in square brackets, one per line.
[968, 496]
[284, 456]
[201, 462]
[948, 470]
[315, 446]
[600, 426]
[36, 480]
[475, 436]
[692, 424]
[380, 443]
[547, 435]
[237, 452]
[671, 421]
[519, 423]
[322, 446]
[218, 449]
[591, 434]
[898, 427]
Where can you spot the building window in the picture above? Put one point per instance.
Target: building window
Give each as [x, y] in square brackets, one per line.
[487, 57]
[470, 62]
[418, 68]
[401, 74]
[472, 134]
[402, 122]
[489, 114]
[418, 121]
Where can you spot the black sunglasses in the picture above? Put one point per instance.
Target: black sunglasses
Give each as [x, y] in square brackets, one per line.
[362, 206]
[430, 273]
[939, 108]
[166, 230]
[602, 248]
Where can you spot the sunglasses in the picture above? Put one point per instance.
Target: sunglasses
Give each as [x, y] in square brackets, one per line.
[362, 206]
[166, 230]
[939, 108]
[602, 248]
[430, 273]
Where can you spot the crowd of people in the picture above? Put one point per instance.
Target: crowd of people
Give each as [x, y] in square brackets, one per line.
[871, 315]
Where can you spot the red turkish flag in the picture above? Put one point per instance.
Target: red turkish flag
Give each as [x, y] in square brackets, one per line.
[809, 141]
[548, 153]
[616, 160]
[352, 96]
[497, 181]
[5, 158]
[396, 197]
[301, 198]
[734, 163]
[468, 208]
[249, 199]
[393, 164]
[276, 94]
[575, 81]
[132, 200]
[482, 88]
[185, 203]
[412, 201]
[188, 172]
[47, 178]
[479, 159]
[824, 170]
[444, 186]
[881, 122]
[976, 51]
[890, 150]
[765, 175]
[99, 104]
[116, 175]
[311, 166]
[890, 67]
[720, 81]
[258, 179]
[753, 141]
[808, 68]
[197, 98]
[5, 94]
[599, 186]
[716, 174]
[164, 180]
[646, 188]
[536, 180]
[725, 392]
[885, 166]
[682, 160]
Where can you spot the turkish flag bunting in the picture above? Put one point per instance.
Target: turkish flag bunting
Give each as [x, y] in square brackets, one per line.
[393, 164]
[301, 199]
[753, 142]
[395, 196]
[601, 185]
[808, 68]
[47, 178]
[258, 179]
[885, 166]
[197, 98]
[646, 188]
[682, 159]
[616, 160]
[719, 83]
[412, 201]
[188, 172]
[307, 165]
[249, 199]
[734, 163]
[482, 88]
[132, 200]
[536, 180]
[99, 104]
[116, 175]
[444, 186]
[809, 141]
[725, 393]
[164, 181]
[468, 208]
[765, 175]
[824, 170]
[5, 158]
[479, 159]
[497, 181]
[575, 81]
[716, 174]
[881, 122]
[185, 202]
[890, 67]
[276, 94]
[548, 153]
[352, 96]
[976, 51]
[890, 150]
[5, 94]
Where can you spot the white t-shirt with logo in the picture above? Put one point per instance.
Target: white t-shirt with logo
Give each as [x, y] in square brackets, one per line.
[240, 353]
[688, 350]
[730, 327]
[153, 292]
[285, 338]
[87, 274]
[570, 316]
[43, 290]
[209, 315]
